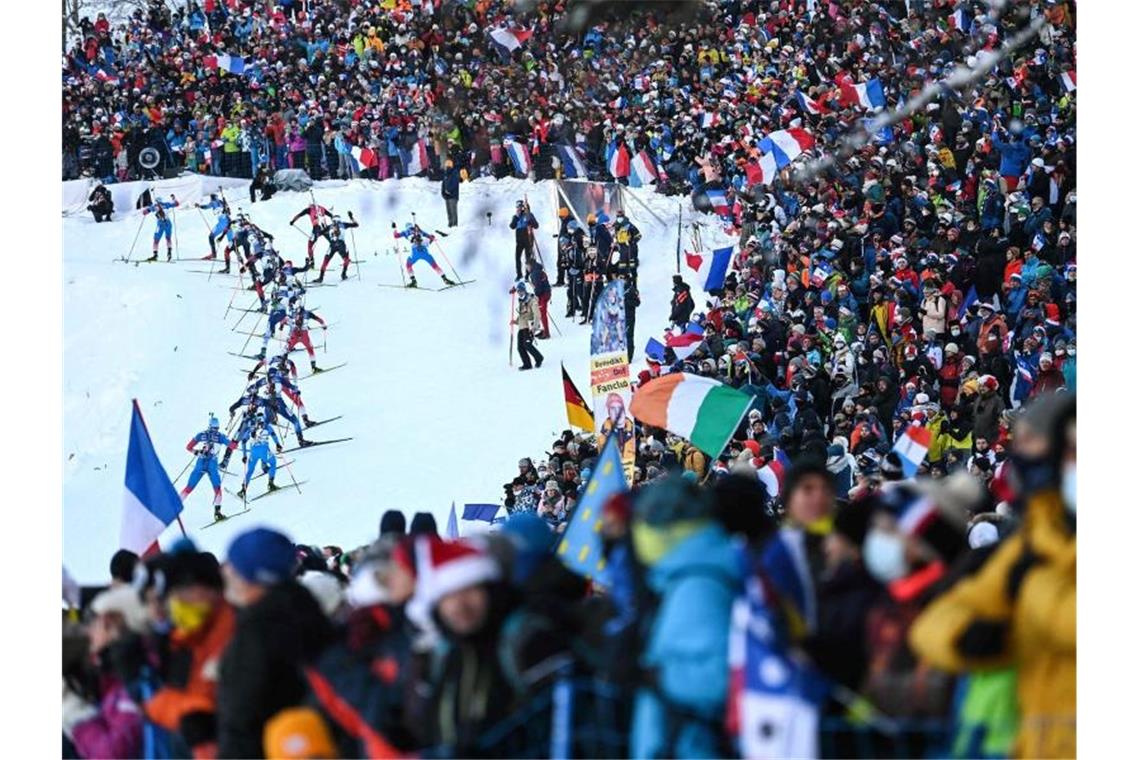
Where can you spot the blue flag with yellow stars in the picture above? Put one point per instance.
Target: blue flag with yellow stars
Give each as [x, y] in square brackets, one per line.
[581, 547]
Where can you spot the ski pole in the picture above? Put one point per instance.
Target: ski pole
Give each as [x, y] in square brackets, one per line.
[511, 330]
[174, 224]
[439, 248]
[355, 257]
[131, 253]
[289, 470]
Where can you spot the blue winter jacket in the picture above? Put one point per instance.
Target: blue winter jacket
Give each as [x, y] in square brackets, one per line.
[697, 582]
[1014, 155]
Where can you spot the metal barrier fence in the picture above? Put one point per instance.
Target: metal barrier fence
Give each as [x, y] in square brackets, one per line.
[589, 717]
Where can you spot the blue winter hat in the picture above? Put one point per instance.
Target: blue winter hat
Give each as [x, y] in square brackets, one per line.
[262, 556]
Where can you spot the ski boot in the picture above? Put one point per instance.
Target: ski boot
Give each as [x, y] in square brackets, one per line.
[303, 443]
[218, 516]
[412, 282]
[320, 278]
[261, 354]
[343, 275]
[448, 281]
[168, 255]
[314, 368]
[211, 257]
[305, 419]
[272, 486]
[153, 256]
[225, 270]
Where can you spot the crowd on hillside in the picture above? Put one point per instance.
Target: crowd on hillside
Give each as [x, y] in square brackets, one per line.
[926, 278]
[697, 94]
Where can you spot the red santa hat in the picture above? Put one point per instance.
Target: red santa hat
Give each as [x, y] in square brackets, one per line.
[452, 566]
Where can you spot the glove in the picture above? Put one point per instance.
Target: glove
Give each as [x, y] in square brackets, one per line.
[244, 459]
[350, 216]
[393, 225]
[280, 449]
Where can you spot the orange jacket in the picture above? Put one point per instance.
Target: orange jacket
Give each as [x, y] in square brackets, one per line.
[198, 694]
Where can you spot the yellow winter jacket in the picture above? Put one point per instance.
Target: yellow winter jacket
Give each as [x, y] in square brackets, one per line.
[1041, 624]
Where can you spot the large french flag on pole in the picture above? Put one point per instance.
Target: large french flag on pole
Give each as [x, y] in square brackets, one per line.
[572, 165]
[519, 155]
[150, 503]
[642, 170]
[867, 94]
[415, 159]
[617, 160]
[710, 267]
[786, 145]
[1069, 80]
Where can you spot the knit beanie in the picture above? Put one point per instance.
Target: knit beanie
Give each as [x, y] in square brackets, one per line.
[262, 556]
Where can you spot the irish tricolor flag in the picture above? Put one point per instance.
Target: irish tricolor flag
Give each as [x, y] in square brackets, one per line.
[697, 408]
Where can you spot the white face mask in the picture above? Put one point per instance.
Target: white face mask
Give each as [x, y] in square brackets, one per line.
[1069, 487]
[884, 555]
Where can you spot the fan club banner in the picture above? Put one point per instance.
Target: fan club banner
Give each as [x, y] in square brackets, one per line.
[609, 376]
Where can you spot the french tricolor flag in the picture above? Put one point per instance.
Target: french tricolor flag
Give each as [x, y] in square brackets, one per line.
[685, 344]
[365, 157]
[415, 159]
[618, 103]
[511, 39]
[1069, 80]
[709, 120]
[786, 145]
[106, 78]
[912, 447]
[710, 268]
[772, 474]
[642, 170]
[618, 161]
[234, 64]
[960, 21]
[867, 94]
[150, 503]
[719, 201]
[810, 106]
[519, 156]
[572, 164]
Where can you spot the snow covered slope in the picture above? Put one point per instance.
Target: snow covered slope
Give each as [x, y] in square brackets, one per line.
[436, 412]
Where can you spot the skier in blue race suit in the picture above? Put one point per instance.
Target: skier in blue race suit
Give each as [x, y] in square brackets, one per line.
[163, 226]
[203, 446]
[258, 435]
[221, 228]
[416, 237]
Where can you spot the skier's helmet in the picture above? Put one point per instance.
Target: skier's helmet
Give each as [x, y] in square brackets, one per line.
[214, 424]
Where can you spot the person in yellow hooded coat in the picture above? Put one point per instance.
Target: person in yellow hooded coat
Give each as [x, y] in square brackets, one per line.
[1020, 609]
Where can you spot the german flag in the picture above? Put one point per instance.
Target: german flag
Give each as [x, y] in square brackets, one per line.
[577, 410]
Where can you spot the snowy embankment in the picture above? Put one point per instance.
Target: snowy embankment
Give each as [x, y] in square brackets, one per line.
[436, 413]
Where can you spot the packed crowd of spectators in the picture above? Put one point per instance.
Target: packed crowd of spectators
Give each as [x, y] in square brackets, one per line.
[925, 278]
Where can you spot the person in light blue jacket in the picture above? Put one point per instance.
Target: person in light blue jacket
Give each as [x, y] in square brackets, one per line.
[696, 572]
